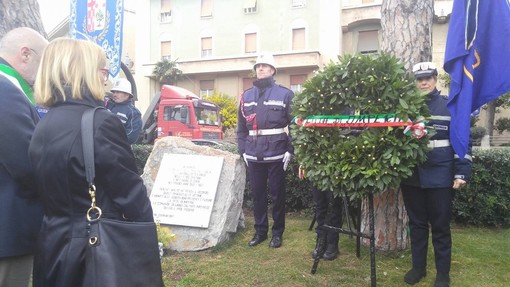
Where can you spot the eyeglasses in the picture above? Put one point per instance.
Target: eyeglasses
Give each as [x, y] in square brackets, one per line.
[106, 73]
[34, 51]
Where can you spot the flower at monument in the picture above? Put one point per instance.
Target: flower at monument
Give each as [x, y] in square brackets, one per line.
[165, 237]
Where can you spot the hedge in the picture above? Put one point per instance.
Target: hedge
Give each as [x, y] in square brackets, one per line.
[484, 202]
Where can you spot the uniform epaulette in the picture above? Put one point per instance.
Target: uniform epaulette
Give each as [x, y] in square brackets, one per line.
[248, 89]
[284, 87]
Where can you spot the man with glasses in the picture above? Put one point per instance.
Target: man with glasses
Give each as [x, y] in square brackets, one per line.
[20, 212]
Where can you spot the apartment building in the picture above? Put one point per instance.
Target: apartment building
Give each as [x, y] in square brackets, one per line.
[215, 42]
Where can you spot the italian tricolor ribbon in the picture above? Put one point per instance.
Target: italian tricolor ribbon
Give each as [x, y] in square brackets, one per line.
[416, 129]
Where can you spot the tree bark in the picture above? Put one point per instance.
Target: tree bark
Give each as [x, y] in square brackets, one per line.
[407, 34]
[15, 13]
[390, 221]
[407, 29]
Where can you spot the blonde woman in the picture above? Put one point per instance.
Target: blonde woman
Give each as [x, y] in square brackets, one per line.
[70, 81]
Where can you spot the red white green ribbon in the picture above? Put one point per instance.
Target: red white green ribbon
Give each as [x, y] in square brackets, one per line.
[416, 129]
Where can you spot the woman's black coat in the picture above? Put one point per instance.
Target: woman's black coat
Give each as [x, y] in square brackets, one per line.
[57, 157]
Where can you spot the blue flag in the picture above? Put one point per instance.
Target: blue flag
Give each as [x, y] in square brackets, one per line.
[478, 60]
[100, 21]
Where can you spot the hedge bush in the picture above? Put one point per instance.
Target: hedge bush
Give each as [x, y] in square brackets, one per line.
[484, 202]
[477, 133]
[141, 152]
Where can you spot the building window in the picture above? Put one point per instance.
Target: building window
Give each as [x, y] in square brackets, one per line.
[250, 43]
[247, 83]
[367, 1]
[166, 50]
[368, 42]
[298, 39]
[206, 88]
[173, 113]
[206, 47]
[298, 3]
[250, 6]
[166, 11]
[206, 8]
[296, 82]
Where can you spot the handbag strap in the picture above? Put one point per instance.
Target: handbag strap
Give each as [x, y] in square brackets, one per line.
[87, 138]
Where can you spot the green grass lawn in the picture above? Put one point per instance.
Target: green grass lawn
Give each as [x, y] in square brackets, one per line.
[481, 257]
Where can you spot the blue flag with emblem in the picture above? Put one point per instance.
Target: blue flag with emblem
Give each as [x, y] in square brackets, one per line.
[477, 58]
[100, 21]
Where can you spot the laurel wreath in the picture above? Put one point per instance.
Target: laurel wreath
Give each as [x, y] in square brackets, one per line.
[359, 160]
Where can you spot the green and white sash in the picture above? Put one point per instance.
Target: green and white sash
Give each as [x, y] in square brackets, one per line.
[13, 76]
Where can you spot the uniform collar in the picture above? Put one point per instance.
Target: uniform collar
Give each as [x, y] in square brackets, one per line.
[264, 83]
[435, 93]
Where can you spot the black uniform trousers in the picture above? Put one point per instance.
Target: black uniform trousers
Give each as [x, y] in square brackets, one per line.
[261, 176]
[434, 206]
[328, 210]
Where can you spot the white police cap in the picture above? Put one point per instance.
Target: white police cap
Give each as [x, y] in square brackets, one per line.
[267, 59]
[424, 69]
[122, 85]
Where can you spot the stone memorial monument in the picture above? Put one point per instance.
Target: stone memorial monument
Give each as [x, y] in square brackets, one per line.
[197, 191]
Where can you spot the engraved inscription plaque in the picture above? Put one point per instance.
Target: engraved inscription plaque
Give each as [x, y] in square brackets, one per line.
[185, 188]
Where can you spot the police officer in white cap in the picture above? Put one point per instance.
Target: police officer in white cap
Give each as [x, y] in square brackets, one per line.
[428, 193]
[264, 113]
[122, 105]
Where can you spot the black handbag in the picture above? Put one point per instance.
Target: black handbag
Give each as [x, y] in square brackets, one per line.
[119, 253]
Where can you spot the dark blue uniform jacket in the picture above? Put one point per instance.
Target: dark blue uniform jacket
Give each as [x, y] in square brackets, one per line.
[442, 165]
[130, 117]
[271, 104]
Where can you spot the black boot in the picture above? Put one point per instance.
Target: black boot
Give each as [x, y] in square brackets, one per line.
[320, 246]
[442, 279]
[331, 251]
[414, 275]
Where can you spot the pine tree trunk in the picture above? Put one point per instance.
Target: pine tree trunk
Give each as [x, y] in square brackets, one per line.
[15, 13]
[407, 34]
[390, 221]
[407, 29]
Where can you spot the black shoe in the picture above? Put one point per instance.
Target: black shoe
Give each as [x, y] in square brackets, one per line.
[257, 239]
[442, 280]
[414, 275]
[331, 252]
[276, 241]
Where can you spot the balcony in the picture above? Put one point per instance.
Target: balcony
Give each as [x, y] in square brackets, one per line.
[311, 59]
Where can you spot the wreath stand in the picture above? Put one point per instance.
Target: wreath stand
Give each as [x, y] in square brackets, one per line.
[355, 217]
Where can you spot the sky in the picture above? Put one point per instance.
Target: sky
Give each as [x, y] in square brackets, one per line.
[53, 12]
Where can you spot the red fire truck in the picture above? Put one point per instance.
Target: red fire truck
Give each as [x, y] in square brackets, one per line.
[175, 111]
